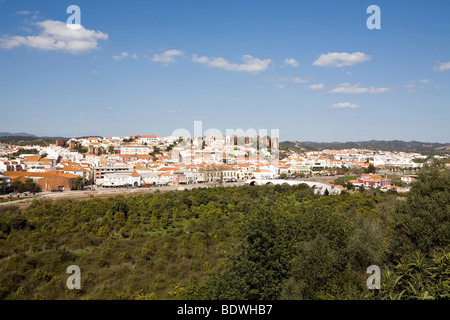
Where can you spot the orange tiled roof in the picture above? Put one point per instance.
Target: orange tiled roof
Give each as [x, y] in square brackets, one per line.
[35, 158]
[72, 168]
[135, 144]
[16, 174]
[31, 158]
[135, 174]
[167, 169]
[374, 177]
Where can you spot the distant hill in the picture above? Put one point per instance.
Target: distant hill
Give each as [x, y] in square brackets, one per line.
[394, 145]
[29, 140]
[21, 134]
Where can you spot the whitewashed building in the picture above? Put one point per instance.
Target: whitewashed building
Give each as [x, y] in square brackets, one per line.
[263, 174]
[148, 139]
[134, 148]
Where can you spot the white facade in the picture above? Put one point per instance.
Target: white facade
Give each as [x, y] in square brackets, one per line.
[135, 178]
[134, 148]
[152, 178]
[150, 140]
[263, 174]
[119, 179]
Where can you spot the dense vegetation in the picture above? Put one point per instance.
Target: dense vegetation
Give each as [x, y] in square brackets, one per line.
[28, 186]
[29, 140]
[19, 187]
[269, 242]
[24, 151]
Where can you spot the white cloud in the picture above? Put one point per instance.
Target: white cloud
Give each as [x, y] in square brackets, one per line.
[124, 55]
[356, 89]
[410, 87]
[109, 108]
[340, 59]
[27, 12]
[299, 80]
[250, 64]
[278, 86]
[291, 62]
[121, 56]
[285, 79]
[167, 56]
[442, 66]
[317, 86]
[29, 30]
[345, 105]
[56, 36]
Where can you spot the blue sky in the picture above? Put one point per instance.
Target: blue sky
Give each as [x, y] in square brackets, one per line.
[311, 69]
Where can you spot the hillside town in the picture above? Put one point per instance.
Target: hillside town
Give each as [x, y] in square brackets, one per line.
[150, 161]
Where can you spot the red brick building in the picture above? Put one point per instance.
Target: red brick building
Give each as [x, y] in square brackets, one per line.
[48, 181]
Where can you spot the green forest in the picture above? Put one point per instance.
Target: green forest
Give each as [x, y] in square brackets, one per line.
[251, 242]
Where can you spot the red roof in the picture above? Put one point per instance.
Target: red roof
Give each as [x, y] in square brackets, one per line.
[135, 174]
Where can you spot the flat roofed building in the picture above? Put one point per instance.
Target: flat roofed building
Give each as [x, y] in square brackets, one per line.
[99, 172]
[134, 148]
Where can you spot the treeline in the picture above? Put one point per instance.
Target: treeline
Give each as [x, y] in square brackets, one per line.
[20, 187]
[24, 151]
[322, 248]
[268, 242]
[29, 140]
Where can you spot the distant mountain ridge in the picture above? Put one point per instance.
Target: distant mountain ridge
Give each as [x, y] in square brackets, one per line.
[430, 148]
[19, 134]
[19, 139]
[393, 145]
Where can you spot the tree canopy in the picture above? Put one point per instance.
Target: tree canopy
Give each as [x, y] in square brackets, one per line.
[250, 242]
